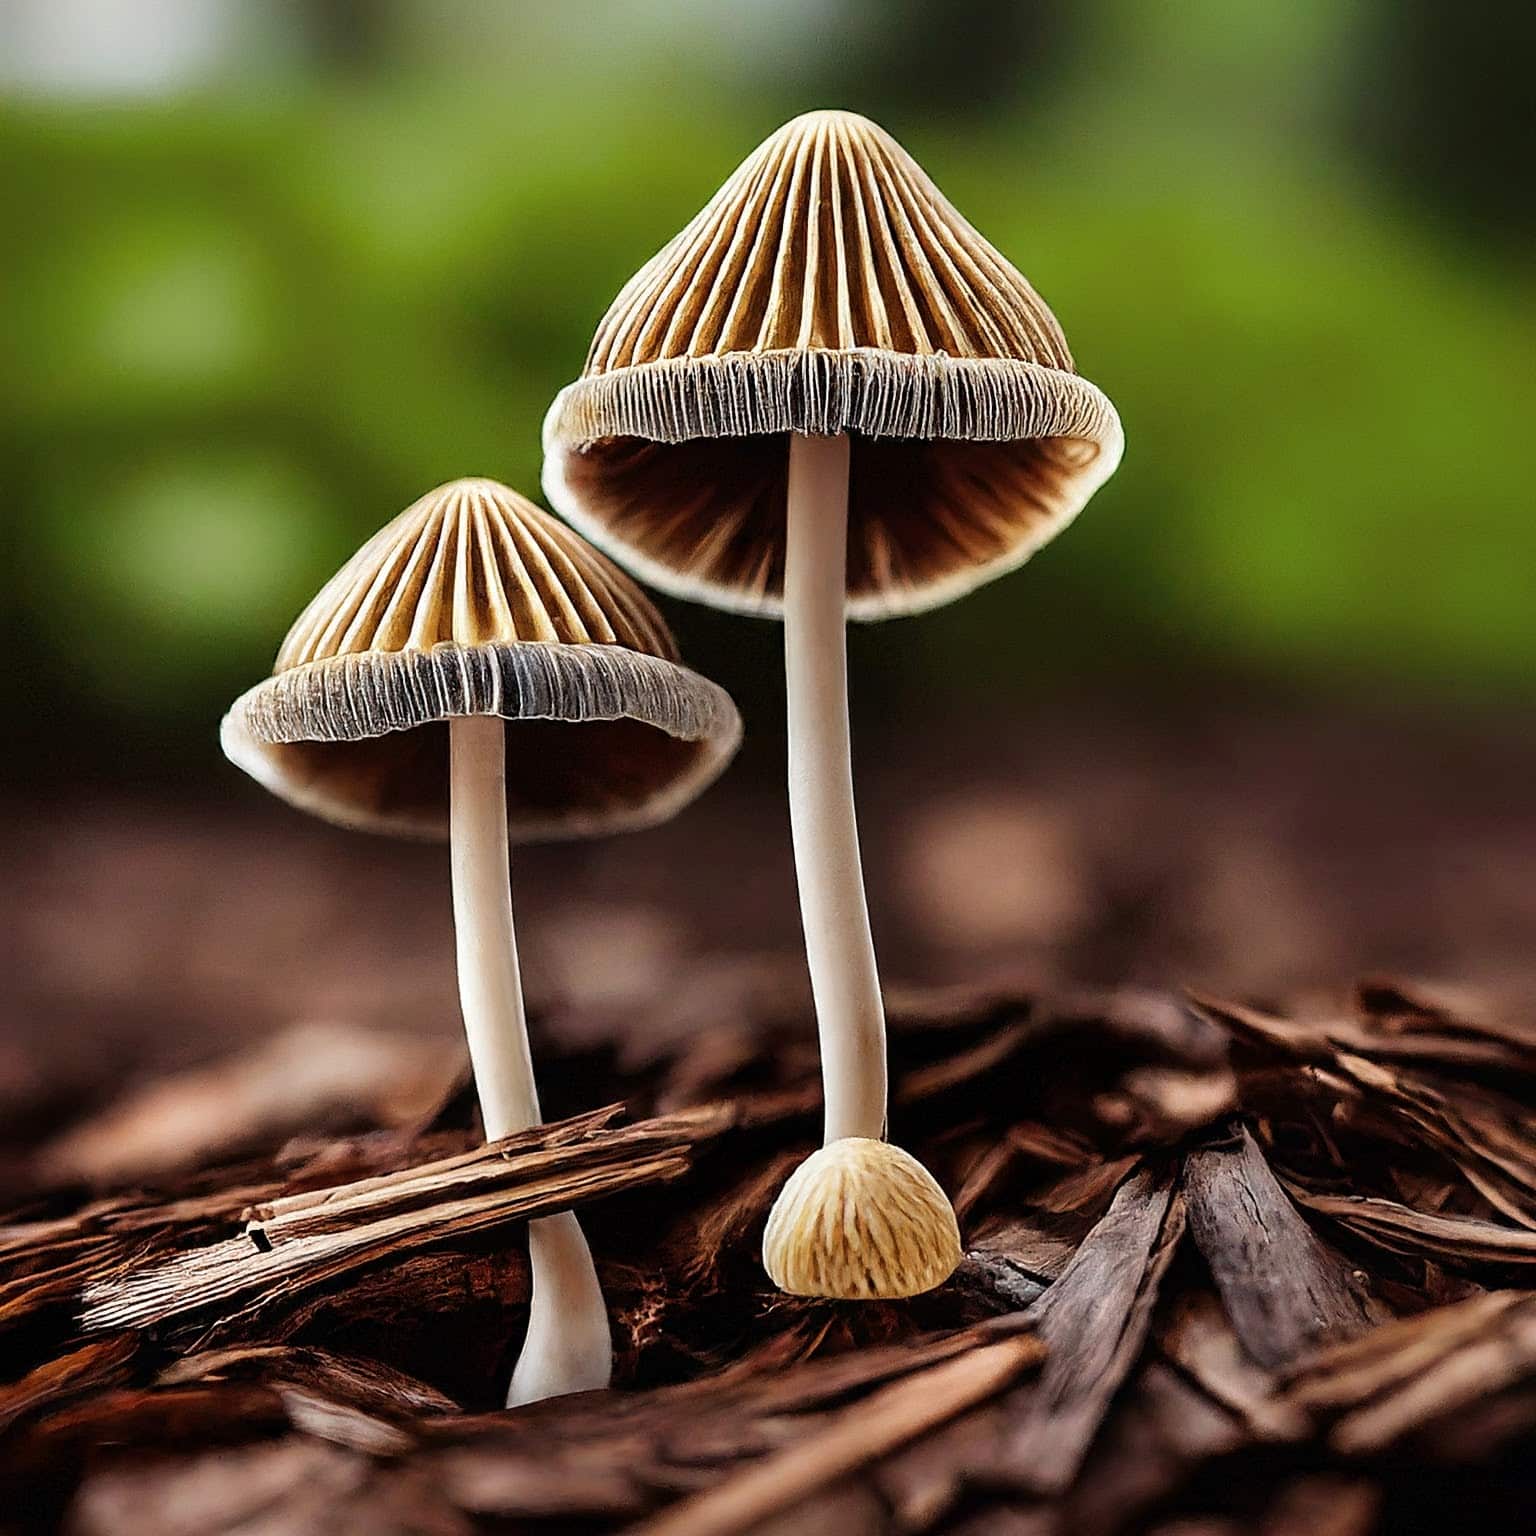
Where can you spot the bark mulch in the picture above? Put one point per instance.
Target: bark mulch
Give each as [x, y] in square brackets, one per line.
[1228, 1269]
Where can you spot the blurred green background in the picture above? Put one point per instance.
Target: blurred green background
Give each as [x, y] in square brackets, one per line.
[269, 269]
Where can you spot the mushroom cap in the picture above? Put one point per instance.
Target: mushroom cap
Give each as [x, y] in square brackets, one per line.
[828, 287]
[475, 602]
[859, 1220]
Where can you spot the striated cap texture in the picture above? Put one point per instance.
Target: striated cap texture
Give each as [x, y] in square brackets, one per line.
[829, 237]
[473, 563]
[475, 602]
[828, 287]
[860, 1219]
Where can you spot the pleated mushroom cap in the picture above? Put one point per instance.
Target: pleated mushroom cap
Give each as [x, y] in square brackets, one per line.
[475, 602]
[860, 1220]
[828, 287]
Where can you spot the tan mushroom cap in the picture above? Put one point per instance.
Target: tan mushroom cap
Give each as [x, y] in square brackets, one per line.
[860, 1219]
[828, 287]
[475, 602]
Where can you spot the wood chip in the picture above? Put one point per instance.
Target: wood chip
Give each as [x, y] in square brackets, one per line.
[1285, 1290]
[1092, 1321]
[890, 1418]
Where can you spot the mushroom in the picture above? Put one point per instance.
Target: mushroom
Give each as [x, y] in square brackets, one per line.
[829, 397]
[472, 621]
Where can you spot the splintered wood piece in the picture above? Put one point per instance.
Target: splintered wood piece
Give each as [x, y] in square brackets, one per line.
[317, 1241]
[1410, 1094]
[1445, 1368]
[1284, 1289]
[860, 1435]
[351, 1205]
[1461, 1382]
[962, 1067]
[1093, 1322]
[1464, 1242]
[29, 1294]
[559, 1134]
[1489, 1136]
[1383, 1359]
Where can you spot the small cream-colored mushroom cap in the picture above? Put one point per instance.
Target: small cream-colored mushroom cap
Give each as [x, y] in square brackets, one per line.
[473, 601]
[861, 1220]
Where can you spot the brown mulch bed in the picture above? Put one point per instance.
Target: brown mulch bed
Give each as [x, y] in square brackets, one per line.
[1228, 1269]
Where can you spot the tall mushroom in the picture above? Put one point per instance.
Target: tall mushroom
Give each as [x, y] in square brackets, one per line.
[472, 623]
[829, 397]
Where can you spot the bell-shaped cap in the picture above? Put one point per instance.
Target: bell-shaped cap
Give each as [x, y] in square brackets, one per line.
[828, 287]
[860, 1220]
[475, 602]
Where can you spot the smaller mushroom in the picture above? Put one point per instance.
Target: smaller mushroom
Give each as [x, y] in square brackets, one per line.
[472, 623]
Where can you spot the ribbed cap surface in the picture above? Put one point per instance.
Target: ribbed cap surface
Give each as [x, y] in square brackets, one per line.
[473, 563]
[857, 1220]
[830, 235]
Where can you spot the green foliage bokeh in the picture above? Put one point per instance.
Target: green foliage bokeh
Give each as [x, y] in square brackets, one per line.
[239, 331]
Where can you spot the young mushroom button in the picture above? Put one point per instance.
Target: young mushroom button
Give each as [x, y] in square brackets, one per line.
[472, 624]
[830, 397]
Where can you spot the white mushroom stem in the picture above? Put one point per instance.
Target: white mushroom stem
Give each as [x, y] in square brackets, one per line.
[568, 1347]
[490, 982]
[839, 948]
